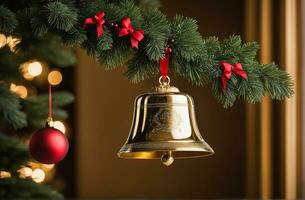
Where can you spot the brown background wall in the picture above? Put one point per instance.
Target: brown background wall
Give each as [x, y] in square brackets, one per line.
[104, 113]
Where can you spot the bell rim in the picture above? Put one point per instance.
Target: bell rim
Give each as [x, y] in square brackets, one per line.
[193, 149]
[123, 155]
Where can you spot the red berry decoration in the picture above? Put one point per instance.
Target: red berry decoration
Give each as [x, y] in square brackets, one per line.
[48, 145]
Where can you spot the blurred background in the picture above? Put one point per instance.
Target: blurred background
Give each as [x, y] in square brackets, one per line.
[258, 148]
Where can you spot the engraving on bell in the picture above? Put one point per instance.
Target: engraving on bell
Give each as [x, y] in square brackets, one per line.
[164, 121]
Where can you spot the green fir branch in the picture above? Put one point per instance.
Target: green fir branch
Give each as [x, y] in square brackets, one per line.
[8, 20]
[13, 154]
[193, 58]
[278, 83]
[187, 39]
[139, 69]
[60, 16]
[14, 188]
[157, 32]
[10, 109]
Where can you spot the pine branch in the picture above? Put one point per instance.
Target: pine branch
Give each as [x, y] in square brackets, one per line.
[196, 59]
[8, 20]
[13, 153]
[89, 8]
[60, 16]
[226, 98]
[9, 65]
[10, 112]
[157, 31]
[117, 55]
[139, 69]
[128, 8]
[105, 42]
[73, 37]
[25, 189]
[187, 40]
[194, 71]
[56, 54]
[252, 89]
[278, 83]
[39, 27]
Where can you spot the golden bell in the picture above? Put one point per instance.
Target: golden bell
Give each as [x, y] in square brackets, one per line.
[164, 127]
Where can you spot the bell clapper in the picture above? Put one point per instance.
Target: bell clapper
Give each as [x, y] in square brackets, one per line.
[167, 159]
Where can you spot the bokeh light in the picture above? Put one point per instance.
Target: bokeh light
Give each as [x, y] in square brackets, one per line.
[60, 126]
[25, 172]
[4, 174]
[20, 90]
[48, 166]
[2, 40]
[12, 43]
[35, 68]
[31, 69]
[28, 76]
[55, 77]
[38, 175]
[13, 87]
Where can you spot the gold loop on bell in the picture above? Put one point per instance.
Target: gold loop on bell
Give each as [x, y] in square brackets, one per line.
[164, 81]
[164, 127]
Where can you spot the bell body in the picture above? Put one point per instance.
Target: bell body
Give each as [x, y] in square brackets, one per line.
[164, 126]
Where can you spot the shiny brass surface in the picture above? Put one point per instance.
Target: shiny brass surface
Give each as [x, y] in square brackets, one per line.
[164, 127]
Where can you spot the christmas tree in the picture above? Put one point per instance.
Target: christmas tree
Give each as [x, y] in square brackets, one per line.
[22, 109]
[116, 33]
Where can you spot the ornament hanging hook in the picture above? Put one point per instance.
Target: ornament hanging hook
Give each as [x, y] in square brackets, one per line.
[164, 82]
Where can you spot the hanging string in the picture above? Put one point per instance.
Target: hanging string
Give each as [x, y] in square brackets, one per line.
[50, 101]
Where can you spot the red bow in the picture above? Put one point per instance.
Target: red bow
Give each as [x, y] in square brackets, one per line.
[135, 35]
[227, 72]
[98, 21]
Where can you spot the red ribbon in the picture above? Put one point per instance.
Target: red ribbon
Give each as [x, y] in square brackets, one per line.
[135, 35]
[228, 69]
[164, 63]
[50, 100]
[98, 21]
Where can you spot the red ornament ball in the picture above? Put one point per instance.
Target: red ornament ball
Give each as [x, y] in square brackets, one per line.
[48, 145]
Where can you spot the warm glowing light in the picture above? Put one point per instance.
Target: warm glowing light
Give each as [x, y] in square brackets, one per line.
[28, 76]
[25, 172]
[55, 77]
[38, 175]
[48, 166]
[31, 69]
[35, 68]
[2, 40]
[12, 42]
[13, 87]
[25, 71]
[4, 174]
[20, 90]
[60, 126]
